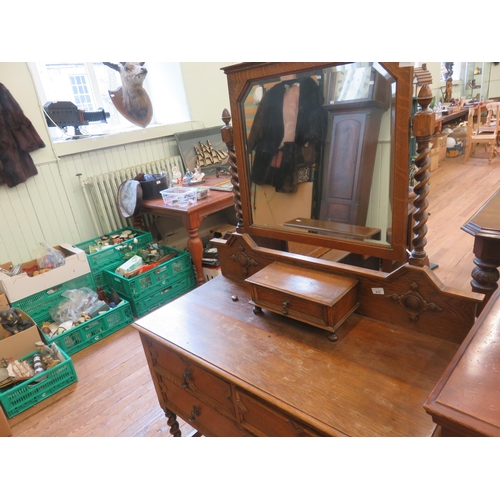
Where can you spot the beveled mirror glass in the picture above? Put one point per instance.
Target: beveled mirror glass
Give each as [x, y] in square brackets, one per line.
[323, 153]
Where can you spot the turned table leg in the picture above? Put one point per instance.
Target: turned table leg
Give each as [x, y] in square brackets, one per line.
[484, 225]
[485, 277]
[195, 246]
[172, 423]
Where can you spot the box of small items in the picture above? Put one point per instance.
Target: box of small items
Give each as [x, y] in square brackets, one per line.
[81, 317]
[59, 264]
[30, 370]
[151, 276]
[106, 251]
[35, 377]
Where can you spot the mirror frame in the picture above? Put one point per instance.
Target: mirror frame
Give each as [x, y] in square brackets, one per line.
[241, 76]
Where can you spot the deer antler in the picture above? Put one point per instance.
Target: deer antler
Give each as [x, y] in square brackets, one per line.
[112, 66]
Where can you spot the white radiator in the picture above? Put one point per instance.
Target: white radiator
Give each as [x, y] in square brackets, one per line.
[100, 191]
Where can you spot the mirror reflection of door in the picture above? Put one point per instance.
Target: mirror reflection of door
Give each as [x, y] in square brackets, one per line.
[320, 151]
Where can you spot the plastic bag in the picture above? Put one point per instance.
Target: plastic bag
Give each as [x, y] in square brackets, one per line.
[49, 257]
[78, 302]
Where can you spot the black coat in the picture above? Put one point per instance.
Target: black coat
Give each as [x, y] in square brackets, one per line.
[267, 133]
[18, 138]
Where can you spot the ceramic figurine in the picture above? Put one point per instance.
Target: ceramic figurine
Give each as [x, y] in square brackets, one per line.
[49, 355]
[11, 320]
[198, 175]
[176, 174]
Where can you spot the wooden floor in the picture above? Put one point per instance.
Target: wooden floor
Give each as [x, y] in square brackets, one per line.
[114, 395]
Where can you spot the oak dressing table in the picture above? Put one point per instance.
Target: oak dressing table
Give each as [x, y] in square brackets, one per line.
[230, 372]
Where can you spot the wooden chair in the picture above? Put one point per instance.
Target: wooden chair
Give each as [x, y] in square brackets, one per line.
[493, 115]
[488, 126]
[475, 137]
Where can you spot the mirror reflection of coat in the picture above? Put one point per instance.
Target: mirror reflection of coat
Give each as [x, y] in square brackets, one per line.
[276, 162]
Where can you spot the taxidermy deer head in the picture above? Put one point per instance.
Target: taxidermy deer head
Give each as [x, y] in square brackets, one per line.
[131, 100]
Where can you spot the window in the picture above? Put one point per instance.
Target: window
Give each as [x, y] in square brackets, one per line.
[87, 85]
[455, 67]
[81, 92]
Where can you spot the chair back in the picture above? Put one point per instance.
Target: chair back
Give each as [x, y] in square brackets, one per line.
[470, 123]
[491, 116]
[495, 109]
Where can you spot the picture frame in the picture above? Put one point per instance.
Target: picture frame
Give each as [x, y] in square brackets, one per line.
[202, 139]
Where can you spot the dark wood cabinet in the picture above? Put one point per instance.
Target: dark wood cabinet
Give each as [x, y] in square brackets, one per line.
[348, 163]
[349, 169]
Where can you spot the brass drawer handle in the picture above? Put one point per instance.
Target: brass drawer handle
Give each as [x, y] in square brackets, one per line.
[194, 413]
[187, 374]
[286, 303]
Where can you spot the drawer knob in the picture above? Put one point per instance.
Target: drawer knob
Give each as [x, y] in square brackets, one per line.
[286, 303]
[194, 413]
[187, 374]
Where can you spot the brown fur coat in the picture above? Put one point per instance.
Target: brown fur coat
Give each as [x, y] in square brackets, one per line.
[18, 138]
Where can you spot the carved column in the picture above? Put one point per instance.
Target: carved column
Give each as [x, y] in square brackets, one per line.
[227, 138]
[423, 129]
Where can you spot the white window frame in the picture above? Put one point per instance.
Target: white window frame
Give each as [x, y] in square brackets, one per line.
[114, 138]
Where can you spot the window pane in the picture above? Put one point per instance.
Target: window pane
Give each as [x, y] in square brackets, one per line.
[69, 81]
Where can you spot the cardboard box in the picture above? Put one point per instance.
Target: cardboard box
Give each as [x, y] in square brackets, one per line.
[22, 343]
[434, 156]
[21, 286]
[211, 272]
[441, 146]
[4, 425]
[4, 303]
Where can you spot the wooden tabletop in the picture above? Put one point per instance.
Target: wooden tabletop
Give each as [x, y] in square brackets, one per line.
[486, 221]
[453, 116]
[216, 200]
[372, 382]
[466, 399]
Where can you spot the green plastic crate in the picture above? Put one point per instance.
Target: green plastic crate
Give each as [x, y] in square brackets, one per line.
[152, 281]
[106, 258]
[26, 394]
[157, 299]
[37, 306]
[93, 330]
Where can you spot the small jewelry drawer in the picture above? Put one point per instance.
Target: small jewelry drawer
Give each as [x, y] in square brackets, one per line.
[315, 297]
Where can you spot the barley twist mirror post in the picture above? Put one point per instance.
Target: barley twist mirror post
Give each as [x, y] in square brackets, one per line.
[423, 128]
[227, 138]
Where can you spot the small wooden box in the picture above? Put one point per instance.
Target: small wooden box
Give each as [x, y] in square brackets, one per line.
[311, 296]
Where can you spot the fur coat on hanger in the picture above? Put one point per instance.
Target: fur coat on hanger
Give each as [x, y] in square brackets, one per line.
[18, 138]
[268, 131]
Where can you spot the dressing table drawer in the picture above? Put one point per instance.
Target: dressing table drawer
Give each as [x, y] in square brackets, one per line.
[262, 420]
[197, 413]
[191, 378]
